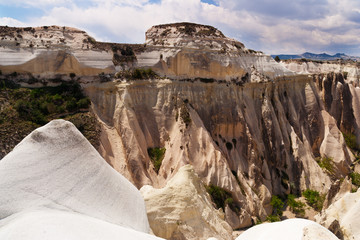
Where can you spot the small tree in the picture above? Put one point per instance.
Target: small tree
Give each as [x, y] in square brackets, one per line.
[277, 59]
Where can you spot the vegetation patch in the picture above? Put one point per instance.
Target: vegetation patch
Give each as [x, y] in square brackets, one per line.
[314, 199]
[355, 178]
[156, 155]
[326, 163]
[350, 140]
[221, 198]
[296, 207]
[22, 110]
[137, 74]
[277, 205]
[273, 218]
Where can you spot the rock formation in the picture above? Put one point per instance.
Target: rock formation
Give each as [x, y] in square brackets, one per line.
[344, 214]
[246, 123]
[183, 209]
[55, 185]
[297, 229]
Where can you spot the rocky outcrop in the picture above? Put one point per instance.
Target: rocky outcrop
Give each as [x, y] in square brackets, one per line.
[344, 212]
[178, 51]
[323, 67]
[256, 140]
[55, 185]
[299, 229]
[183, 209]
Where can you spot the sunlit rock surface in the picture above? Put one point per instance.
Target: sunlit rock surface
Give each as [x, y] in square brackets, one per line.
[55, 185]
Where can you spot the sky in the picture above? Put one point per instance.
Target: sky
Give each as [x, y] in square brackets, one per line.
[271, 26]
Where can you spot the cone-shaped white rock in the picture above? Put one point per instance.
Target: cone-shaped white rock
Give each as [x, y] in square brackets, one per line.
[183, 209]
[294, 229]
[54, 185]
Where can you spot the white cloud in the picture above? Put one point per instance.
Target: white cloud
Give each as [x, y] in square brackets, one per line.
[260, 28]
[7, 21]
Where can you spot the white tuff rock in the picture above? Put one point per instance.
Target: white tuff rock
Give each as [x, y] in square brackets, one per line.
[183, 209]
[294, 229]
[54, 185]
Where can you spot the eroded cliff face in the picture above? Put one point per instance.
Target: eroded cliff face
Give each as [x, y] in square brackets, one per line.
[244, 122]
[256, 140]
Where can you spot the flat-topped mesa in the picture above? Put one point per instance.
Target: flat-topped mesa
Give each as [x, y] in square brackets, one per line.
[190, 35]
[45, 37]
[177, 51]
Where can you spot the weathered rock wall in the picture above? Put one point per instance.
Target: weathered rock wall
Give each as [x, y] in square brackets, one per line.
[255, 140]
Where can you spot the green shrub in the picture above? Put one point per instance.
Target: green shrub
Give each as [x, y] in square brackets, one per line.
[273, 218]
[221, 197]
[345, 74]
[70, 105]
[277, 59]
[350, 140]
[277, 205]
[355, 178]
[314, 199]
[156, 155]
[297, 207]
[326, 163]
[83, 103]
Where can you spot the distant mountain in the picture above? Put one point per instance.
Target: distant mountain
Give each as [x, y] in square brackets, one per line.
[321, 56]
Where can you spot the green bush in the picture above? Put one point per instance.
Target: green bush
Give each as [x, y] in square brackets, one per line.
[314, 199]
[277, 59]
[277, 205]
[326, 163]
[83, 103]
[297, 207]
[273, 218]
[350, 140]
[355, 178]
[156, 155]
[221, 197]
[71, 105]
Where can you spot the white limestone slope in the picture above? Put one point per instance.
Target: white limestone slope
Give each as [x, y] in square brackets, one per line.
[294, 229]
[347, 212]
[54, 185]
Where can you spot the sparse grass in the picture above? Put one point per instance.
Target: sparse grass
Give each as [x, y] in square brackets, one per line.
[156, 155]
[314, 199]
